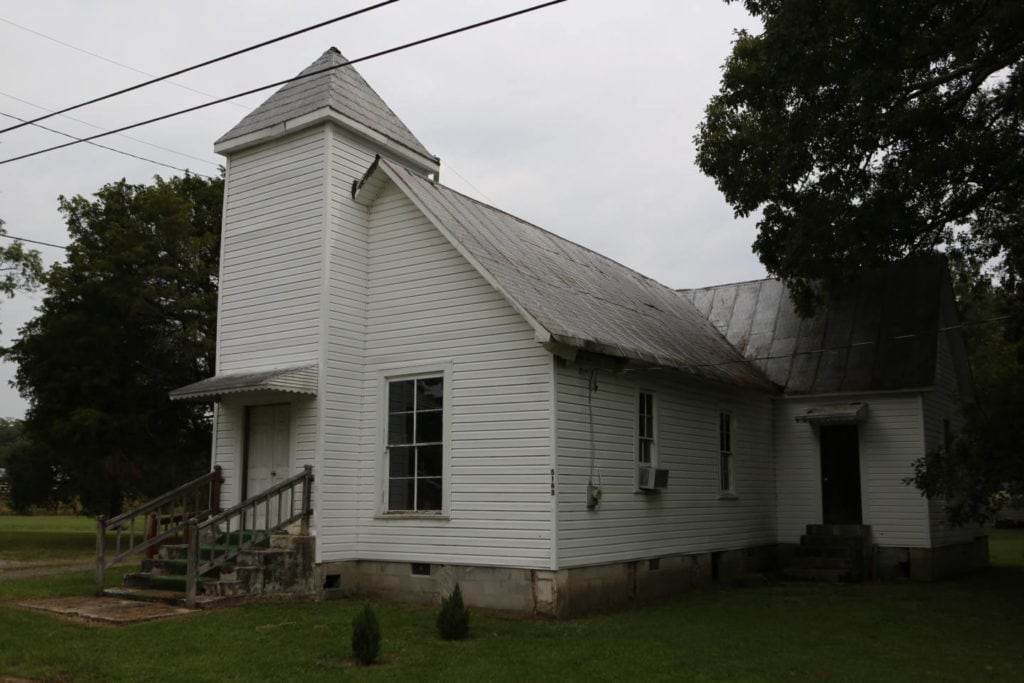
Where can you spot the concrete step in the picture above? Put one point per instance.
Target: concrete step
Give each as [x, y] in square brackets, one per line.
[280, 564]
[847, 553]
[175, 598]
[816, 574]
[814, 562]
[160, 566]
[841, 530]
[147, 595]
[845, 541]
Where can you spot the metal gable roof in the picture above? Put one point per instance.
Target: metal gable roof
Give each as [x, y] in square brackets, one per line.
[343, 90]
[878, 333]
[580, 298]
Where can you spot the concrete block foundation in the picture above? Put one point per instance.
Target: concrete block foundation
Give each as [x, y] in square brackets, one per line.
[558, 593]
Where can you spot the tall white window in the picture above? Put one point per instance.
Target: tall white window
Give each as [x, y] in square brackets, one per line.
[645, 446]
[415, 444]
[725, 452]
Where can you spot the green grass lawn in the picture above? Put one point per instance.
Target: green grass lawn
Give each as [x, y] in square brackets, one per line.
[47, 540]
[963, 630]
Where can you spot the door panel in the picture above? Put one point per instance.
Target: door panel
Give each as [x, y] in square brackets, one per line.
[840, 475]
[268, 447]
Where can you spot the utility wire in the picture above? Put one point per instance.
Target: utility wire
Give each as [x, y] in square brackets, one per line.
[25, 239]
[202, 64]
[122, 135]
[592, 384]
[374, 55]
[109, 60]
[106, 147]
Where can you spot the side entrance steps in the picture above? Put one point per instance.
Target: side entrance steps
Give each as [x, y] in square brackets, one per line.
[831, 553]
[279, 565]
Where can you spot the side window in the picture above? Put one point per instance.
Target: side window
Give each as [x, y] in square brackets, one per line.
[725, 463]
[415, 444]
[646, 453]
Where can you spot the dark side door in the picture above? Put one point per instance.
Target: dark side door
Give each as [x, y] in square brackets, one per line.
[840, 475]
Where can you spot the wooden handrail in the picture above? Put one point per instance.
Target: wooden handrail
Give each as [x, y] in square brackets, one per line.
[199, 498]
[163, 499]
[239, 536]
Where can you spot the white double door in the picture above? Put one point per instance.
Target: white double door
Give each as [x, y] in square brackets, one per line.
[268, 455]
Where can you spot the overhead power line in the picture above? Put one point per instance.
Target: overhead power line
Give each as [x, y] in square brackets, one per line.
[107, 59]
[122, 135]
[317, 72]
[106, 147]
[208, 62]
[25, 239]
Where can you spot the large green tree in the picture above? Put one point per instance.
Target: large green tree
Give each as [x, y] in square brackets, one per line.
[129, 315]
[865, 131]
[20, 268]
[862, 132]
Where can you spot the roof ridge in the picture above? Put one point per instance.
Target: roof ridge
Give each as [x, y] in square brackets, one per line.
[729, 284]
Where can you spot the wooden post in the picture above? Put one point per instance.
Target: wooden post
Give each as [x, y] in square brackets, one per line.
[193, 563]
[152, 528]
[307, 499]
[218, 481]
[101, 549]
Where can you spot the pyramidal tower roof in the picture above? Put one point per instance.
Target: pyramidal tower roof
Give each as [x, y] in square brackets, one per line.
[340, 88]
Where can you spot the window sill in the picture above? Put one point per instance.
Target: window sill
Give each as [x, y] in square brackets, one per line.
[725, 495]
[432, 516]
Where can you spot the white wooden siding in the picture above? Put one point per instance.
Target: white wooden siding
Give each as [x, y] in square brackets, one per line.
[890, 439]
[271, 258]
[943, 403]
[228, 423]
[689, 516]
[426, 306]
[342, 385]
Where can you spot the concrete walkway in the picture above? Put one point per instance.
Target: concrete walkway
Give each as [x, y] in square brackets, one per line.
[107, 610]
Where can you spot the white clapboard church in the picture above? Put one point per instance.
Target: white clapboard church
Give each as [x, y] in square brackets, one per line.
[480, 400]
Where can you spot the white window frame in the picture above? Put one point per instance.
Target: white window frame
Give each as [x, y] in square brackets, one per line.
[640, 437]
[726, 454]
[385, 378]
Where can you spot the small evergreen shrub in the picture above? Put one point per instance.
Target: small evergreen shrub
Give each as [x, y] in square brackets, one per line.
[366, 636]
[453, 619]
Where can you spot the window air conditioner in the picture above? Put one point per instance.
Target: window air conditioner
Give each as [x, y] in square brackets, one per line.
[652, 478]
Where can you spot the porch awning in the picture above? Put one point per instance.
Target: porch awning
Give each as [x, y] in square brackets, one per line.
[835, 414]
[296, 380]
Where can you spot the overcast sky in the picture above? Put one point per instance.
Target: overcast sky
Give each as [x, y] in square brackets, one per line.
[579, 118]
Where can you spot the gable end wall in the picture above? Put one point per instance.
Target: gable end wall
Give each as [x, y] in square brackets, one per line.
[424, 306]
[890, 439]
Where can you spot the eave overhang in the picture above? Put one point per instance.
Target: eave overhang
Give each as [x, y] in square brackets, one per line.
[301, 380]
[835, 414]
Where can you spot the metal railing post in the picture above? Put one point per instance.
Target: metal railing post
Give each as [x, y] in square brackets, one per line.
[192, 577]
[101, 551]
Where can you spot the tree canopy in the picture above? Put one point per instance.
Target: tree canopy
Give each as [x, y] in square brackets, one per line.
[20, 268]
[130, 315]
[866, 131]
[863, 132]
